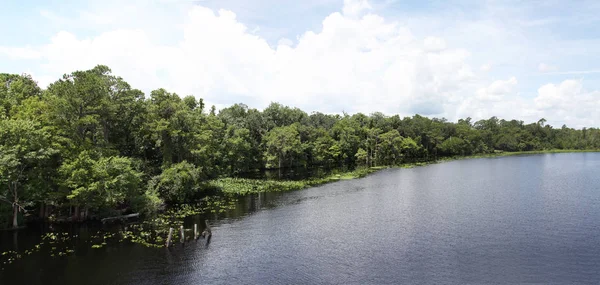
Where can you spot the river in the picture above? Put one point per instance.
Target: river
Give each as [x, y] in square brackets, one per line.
[520, 219]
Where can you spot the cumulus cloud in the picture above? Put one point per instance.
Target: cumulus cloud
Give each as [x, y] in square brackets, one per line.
[357, 62]
[497, 90]
[496, 99]
[434, 44]
[571, 101]
[564, 103]
[355, 7]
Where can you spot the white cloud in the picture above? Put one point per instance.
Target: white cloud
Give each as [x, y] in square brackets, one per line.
[355, 7]
[357, 62]
[554, 96]
[543, 67]
[285, 42]
[434, 44]
[485, 67]
[571, 101]
[563, 103]
[497, 90]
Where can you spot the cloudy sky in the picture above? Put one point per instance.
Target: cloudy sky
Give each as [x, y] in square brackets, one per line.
[454, 59]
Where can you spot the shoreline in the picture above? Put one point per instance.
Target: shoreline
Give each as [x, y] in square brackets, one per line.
[244, 186]
[151, 232]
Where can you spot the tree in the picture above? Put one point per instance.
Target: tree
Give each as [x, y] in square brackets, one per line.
[25, 147]
[389, 151]
[100, 182]
[454, 146]
[14, 89]
[362, 157]
[277, 115]
[80, 105]
[237, 149]
[90, 139]
[410, 148]
[346, 133]
[178, 183]
[282, 143]
[206, 145]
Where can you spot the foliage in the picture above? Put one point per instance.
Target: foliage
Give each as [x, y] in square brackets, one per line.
[91, 140]
[177, 183]
[282, 143]
[245, 186]
[103, 182]
[25, 147]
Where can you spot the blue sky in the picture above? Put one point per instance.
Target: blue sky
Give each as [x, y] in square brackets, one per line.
[511, 59]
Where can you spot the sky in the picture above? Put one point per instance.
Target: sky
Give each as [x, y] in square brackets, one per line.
[512, 59]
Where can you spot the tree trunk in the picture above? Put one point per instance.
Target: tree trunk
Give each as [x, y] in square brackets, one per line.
[47, 211]
[279, 161]
[15, 222]
[76, 213]
[42, 210]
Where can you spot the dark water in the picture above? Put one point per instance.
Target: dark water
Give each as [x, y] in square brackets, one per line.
[502, 220]
[298, 173]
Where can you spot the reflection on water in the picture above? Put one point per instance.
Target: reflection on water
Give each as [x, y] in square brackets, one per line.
[502, 220]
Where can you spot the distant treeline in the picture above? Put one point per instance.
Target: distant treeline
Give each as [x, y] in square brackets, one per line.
[91, 145]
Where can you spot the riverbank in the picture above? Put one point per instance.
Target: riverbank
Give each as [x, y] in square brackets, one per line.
[244, 186]
[514, 153]
[152, 231]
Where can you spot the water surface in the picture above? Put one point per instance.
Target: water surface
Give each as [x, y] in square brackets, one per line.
[521, 219]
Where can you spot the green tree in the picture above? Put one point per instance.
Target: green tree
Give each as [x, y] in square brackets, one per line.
[14, 89]
[25, 147]
[178, 183]
[282, 143]
[237, 149]
[389, 150]
[100, 182]
[362, 157]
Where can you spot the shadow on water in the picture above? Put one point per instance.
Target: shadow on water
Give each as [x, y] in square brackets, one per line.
[298, 173]
[509, 220]
[61, 244]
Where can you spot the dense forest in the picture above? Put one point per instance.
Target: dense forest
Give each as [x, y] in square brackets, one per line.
[91, 145]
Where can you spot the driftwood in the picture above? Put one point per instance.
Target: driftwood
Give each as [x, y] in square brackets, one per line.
[120, 217]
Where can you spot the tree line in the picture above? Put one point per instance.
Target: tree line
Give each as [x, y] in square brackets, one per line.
[91, 145]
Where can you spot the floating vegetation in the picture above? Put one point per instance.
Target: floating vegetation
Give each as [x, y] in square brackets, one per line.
[245, 186]
[56, 244]
[152, 231]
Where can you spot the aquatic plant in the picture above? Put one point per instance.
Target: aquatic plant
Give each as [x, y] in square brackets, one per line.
[244, 186]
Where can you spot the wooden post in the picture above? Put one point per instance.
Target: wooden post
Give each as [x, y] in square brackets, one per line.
[169, 237]
[207, 232]
[195, 231]
[182, 236]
